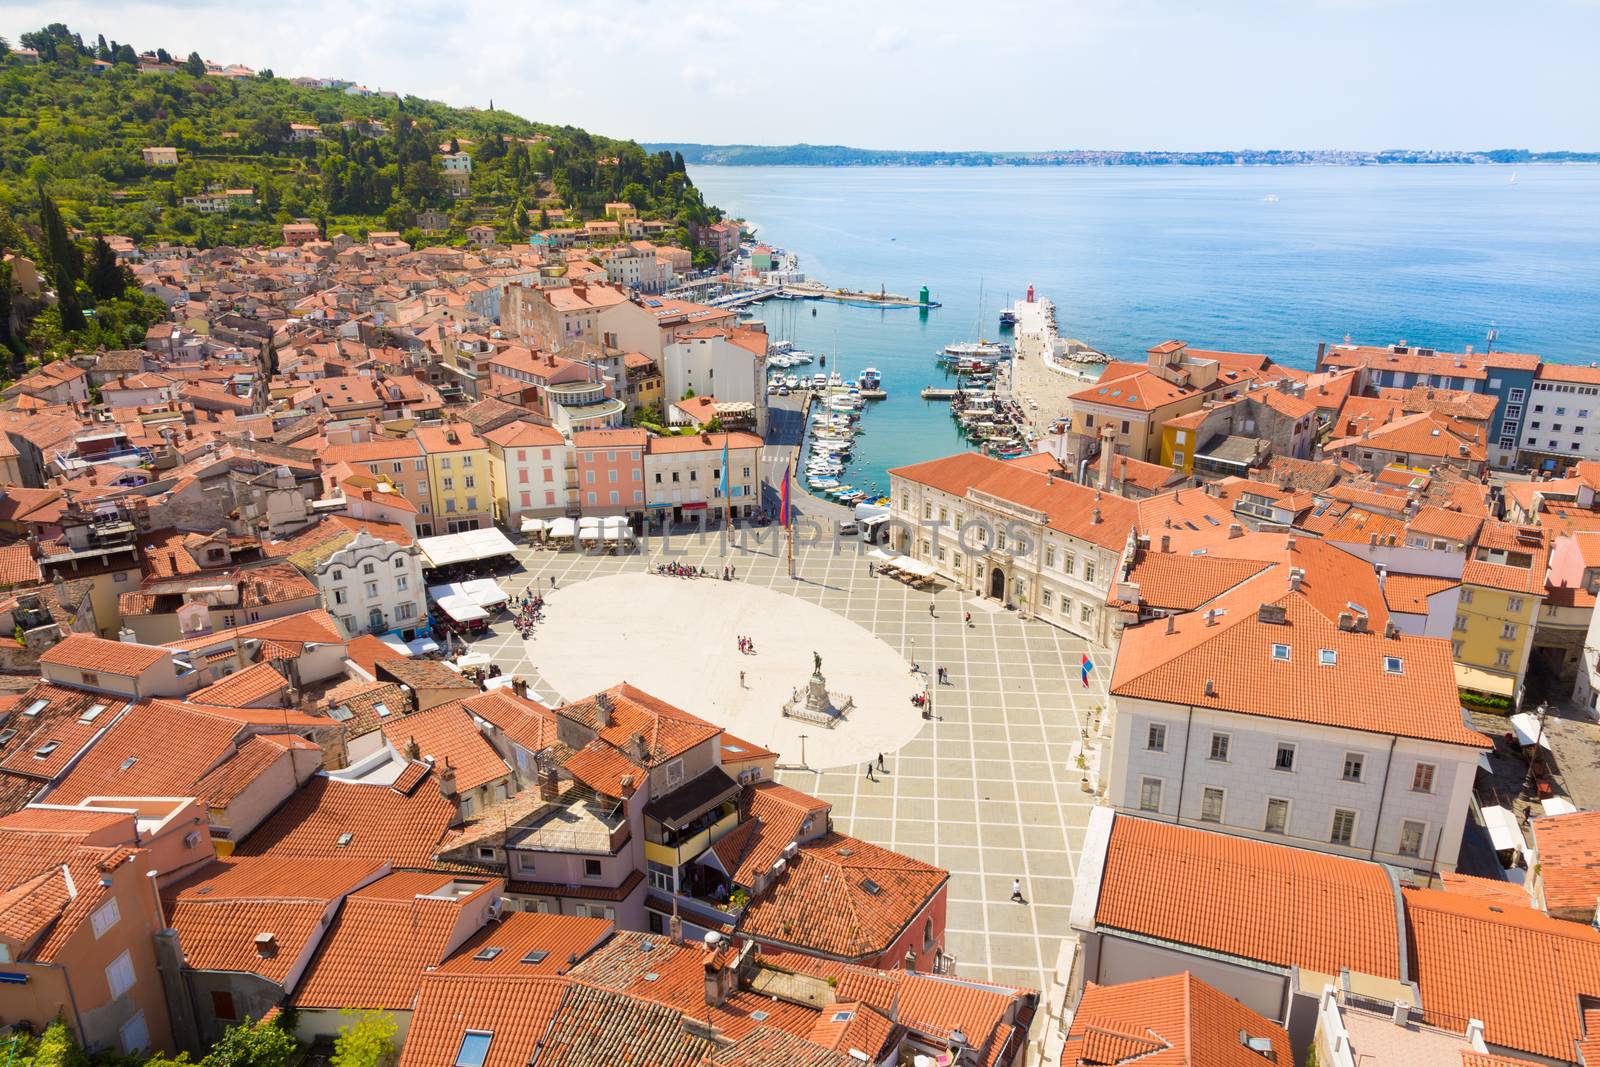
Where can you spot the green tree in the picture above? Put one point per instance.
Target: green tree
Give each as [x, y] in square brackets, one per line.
[107, 278]
[58, 1048]
[366, 1042]
[5, 47]
[194, 65]
[253, 1044]
[67, 303]
[61, 252]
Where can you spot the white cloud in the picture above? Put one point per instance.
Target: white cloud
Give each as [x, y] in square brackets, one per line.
[889, 39]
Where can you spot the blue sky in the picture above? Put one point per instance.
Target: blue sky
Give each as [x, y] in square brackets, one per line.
[1119, 74]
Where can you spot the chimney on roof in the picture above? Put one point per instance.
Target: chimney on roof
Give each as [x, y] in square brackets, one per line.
[1049, 477]
[413, 750]
[1401, 1015]
[1096, 519]
[675, 928]
[1235, 530]
[1347, 621]
[1166, 542]
[1211, 688]
[602, 711]
[1211, 616]
[1390, 630]
[641, 749]
[266, 944]
[1475, 1026]
[549, 784]
[1172, 625]
[1272, 613]
[1289, 543]
[446, 774]
[519, 686]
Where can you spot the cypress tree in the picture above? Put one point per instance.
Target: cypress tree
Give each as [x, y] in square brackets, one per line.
[107, 279]
[72, 319]
[63, 254]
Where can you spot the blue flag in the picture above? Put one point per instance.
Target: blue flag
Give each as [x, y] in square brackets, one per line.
[1087, 667]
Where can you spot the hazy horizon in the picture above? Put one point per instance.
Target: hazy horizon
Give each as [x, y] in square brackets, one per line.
[1105, 75]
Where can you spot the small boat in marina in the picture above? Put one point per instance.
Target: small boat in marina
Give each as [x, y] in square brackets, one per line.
[869, 378]
[980, 349]
[792, 381]
[819, 381]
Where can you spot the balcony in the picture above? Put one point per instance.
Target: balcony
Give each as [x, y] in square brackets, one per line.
[675, 849]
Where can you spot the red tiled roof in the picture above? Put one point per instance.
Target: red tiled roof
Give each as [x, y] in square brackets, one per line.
[386, 936]
[1069, 508]
[447, 734]
[1569, 861]
[1265, 902]
[1409, 593]
[1519, 971]
[383, 824]
[221, 909]
[1173, 1021]
[18, 567]
[517, 1010]
[90, 653]
[844, 898]
[517, 934]
[156, 749]
[246, 687]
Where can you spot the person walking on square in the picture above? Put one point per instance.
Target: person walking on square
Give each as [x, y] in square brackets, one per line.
[870, 566]
[880, 761]
[969, 618]
[931, 615]
[741, 680]
[869, 772]
[1016, 891]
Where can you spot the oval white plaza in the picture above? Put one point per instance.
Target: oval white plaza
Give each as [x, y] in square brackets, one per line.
[677, 638]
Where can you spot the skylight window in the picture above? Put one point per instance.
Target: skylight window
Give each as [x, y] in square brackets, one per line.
[341, 714]
[44, 751]
[7, 735]
[127, 764]
[759, 1016]
[1327, 657]
[35, 708]
[841, 1016]
[488, 952]
[871, 887]
[536, 955]
[1280, 652]
[94, 712]
[383, 710]
[1392, 665]
[344, 839]
[474, 1048]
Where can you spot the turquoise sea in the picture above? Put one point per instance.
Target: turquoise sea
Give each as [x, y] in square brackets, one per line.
[1254, 259]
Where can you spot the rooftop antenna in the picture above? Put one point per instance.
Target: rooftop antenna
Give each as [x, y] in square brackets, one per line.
[1488, 344]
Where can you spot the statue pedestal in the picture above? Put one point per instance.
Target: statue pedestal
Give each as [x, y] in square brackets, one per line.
[817, 701]
[817, 705]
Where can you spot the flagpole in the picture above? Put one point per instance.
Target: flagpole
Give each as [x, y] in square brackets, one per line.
[783, 517]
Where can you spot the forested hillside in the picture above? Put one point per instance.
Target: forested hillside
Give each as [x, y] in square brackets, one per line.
[78, 127]
[254, 152]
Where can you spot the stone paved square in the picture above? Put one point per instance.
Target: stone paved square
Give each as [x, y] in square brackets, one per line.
[986, 788]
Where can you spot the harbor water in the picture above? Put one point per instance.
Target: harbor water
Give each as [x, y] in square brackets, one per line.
[1255, 259]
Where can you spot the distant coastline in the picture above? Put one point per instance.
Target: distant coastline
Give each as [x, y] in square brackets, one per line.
[806, 155]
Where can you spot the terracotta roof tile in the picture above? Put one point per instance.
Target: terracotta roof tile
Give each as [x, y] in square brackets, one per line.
[516, 1010]
[1569, 861]
[386, 936]
[844, 898]
[599, 1028]
[1519, 971]
[1259, 901]
[1401, 685]
[90, 653]
[1172, 1021]
[383, 824]
[154, 750]
[447, 734]
[521, 937]
[248, 686]
[220, 910]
